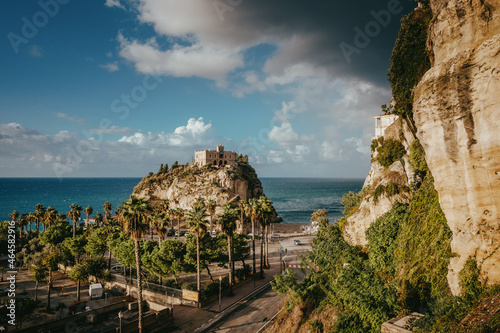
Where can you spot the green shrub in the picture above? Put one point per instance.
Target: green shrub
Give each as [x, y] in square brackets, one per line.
[469, 281]
[374, 145]
[417, 159]
[390, 151]
[409, 59]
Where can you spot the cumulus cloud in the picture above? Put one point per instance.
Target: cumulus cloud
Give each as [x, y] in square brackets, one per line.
[113, 3]
[70, 118]
[195, 132]
[111, 67]
[69, 154]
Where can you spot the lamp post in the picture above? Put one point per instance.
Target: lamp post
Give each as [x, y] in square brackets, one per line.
[120, 315]
[220, 291]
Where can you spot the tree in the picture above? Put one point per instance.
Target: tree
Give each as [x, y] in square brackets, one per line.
[88, 211]
[134, 217]
[96, 243]
[37, 273]
[159, 223]
[14, 216]
[74, 214]
[197, 224]
[98, 218]
[252, 210]
[107, 208]
[211, 205]
[179, 215]
[266, 213]
[24, 308]
[39, 214]
[95, 267]
[242, 204]
[79, 273]
[56, 234]
[227, 222]
[50, 261]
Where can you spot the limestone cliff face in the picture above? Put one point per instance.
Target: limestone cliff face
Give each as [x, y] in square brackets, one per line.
[183, 185]
[457, 114]
[372, 206]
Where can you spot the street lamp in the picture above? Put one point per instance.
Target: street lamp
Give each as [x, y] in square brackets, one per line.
[220, 291]
[120, 315]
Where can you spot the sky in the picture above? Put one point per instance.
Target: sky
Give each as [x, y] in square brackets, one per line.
[114, 88]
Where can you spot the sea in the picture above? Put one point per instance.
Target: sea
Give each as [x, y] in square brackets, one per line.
[294, 199]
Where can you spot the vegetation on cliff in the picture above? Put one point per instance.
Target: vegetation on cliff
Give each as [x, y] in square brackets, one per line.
[409, 60]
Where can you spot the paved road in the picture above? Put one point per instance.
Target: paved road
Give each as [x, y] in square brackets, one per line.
[251, 316]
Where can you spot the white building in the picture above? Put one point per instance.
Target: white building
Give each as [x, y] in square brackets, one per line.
[382, 122]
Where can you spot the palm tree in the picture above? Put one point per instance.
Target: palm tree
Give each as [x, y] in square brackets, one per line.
[252, 210]
[50, 216]
[134, 217]
[197, 224]
[160, 222]
[211, 205]
[74, 214]
[241, 205]
[227, 222]
[88, 211]
[98, 219]
[23, 224]
[265, 214]
[31, 219]
[14, 216]
[107, 209]
[179, 214]
[39, 213]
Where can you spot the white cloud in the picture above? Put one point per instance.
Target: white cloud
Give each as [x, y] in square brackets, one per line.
[195, 132]
[70, 118]
[111, 67]
[181, 61]
[113, 3]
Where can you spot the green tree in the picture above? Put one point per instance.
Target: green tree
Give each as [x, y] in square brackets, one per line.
[134, 217]
[265, 213]
[50, 260]
[160, 223]
[96, 243]
[56, 234]
[88, 211]
[80, 274]
[211, 205]
[227, 222]
[198, 226]
[95, 267]
[50, 216]
[252, 210]
[74, 214]
[24, 308]
[38, 273]
[107, 209]
[39, 214]
[98, 218]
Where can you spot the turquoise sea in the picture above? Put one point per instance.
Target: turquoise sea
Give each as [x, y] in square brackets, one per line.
[294, 198]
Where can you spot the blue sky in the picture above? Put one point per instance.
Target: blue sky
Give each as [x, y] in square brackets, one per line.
[105, 88]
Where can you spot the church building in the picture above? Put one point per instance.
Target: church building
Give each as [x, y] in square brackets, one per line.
[218, 157]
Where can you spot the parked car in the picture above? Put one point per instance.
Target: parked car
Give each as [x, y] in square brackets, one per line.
[297, 241]
[186, 233]
[275, 236]
[170, 233]
[214, 233]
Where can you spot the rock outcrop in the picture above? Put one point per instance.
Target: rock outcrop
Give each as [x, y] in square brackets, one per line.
[456, 112]
[184, 184]
[374, 206]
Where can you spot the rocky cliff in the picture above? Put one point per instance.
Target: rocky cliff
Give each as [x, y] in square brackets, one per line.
[377, 198]
[456, 113]
[183, 184]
